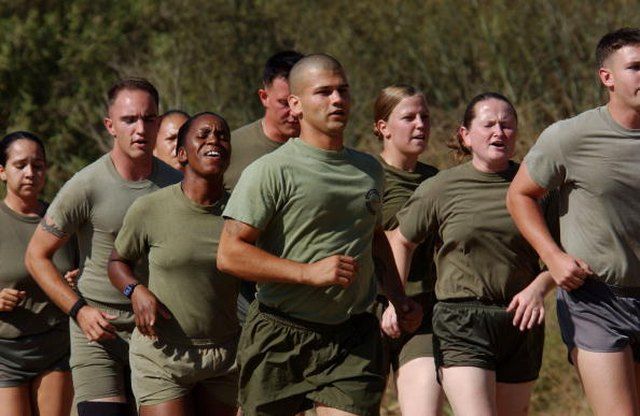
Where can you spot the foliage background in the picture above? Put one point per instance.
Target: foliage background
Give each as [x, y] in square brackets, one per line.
[57, 59]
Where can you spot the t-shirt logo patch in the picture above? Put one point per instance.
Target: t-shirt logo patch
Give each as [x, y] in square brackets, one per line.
[373, 201]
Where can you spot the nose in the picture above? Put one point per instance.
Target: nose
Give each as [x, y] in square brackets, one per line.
[336, 97]
[29, 170]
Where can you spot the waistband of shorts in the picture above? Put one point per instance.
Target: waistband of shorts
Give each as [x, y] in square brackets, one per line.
[620, 291]
[471, 301]
[297, 323]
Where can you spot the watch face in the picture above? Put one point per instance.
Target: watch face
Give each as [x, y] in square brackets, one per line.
[128, 290]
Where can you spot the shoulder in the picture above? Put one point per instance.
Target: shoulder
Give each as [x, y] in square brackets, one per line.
[247, 130]
[565, 132]
[365, 161]
[426, 171]
[166, 175]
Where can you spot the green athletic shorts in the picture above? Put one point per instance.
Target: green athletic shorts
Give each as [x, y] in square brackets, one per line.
[161, 372]
[287, 364]
[25, 358]
[473, 334]
[418, 344]
[99, 369]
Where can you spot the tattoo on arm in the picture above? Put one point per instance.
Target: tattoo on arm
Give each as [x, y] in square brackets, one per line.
[51, 228]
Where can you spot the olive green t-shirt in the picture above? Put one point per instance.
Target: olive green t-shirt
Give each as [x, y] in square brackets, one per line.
[310, 204]
[399, 185]
[482, 254]
[181, 240]
[92, 204]
[249, 144]
[35, 314]
[595, 164]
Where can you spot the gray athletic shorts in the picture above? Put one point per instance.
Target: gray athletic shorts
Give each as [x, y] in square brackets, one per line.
[594, 318]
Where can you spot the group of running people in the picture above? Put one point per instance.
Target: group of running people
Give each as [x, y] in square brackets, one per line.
[363, 263]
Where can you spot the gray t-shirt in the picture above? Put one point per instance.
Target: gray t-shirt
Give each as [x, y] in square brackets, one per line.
[595, 163]
[310, 204]
[92, 204]
[248, 143]
[181, 240]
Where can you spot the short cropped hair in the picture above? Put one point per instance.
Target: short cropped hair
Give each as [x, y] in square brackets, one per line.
[7, 140]
[615, 40]
[279, 65]
[132, 83]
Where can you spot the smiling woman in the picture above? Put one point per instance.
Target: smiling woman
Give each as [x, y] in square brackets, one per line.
[186, 323]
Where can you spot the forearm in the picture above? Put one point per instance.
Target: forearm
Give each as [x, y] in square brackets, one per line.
[543, 283]
[392, 284]
[246, 261]
[120, 272]
[45, 273]
[402, 251]
[528, 217]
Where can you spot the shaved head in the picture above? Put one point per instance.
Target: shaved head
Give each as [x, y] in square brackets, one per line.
[309, 65]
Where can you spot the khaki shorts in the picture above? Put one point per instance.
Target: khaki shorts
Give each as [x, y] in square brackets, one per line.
[25, 358]
[100, 369]
[418, 344]
[287, 364]
[162, 372]
[478, 335]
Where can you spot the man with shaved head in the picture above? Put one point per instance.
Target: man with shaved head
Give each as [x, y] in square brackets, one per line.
[304, 222]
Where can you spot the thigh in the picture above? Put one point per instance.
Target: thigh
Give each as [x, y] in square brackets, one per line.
[471, 391]
[97, 372]
[175, 407]
[15, 401]
[52, 393]
[157, 369]
[609, 381]
[418, 390]
[512, 399]
[324, 410]
[207, 404]
[348, 367]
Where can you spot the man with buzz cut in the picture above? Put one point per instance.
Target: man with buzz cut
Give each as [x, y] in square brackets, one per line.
[256, 139]
[593, 159]
[305, 223]
[92, 205]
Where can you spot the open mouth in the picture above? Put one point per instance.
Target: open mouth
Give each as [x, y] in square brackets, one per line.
[213, 153]
[499, 145]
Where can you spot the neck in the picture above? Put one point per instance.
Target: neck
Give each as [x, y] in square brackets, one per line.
[272, 132]
[202, 191]
[486, 167]
[322, 140]
[628, 118]
[132, 169]
[30, 206]
[399, 160]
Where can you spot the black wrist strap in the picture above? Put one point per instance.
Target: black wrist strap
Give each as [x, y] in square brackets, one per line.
[73, 312]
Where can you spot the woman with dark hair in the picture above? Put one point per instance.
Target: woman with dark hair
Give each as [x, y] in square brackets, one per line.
[182, 352]
[401, 123]
[488, 322]
[34, 334]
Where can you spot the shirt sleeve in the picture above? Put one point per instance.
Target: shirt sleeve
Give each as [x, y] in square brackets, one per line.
[71, 207]
[545, 161]
[132, 240]
[418, 219]
[257, 195]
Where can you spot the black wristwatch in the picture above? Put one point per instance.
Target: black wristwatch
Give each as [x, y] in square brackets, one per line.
[128, 289]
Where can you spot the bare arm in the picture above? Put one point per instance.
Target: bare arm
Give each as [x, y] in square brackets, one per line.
[528, 304]
[522, 203]
[44, 243]
[402, 253]
[146, 306]
[408, 312]
[238, 255]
